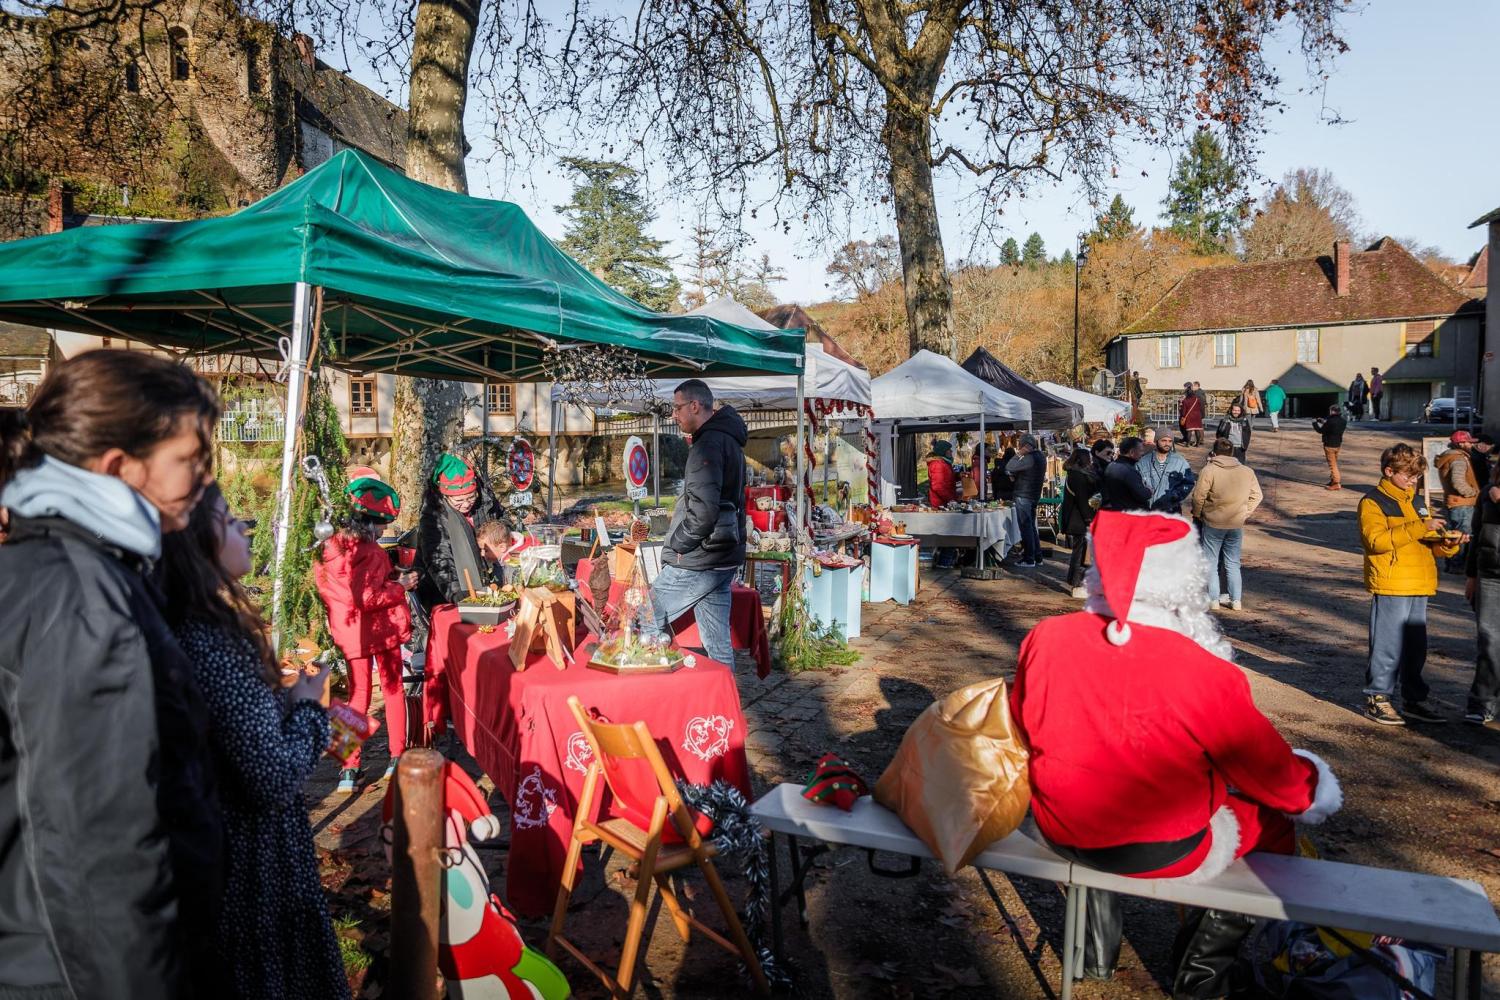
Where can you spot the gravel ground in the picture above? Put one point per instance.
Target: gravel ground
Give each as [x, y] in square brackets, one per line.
[1421, 798]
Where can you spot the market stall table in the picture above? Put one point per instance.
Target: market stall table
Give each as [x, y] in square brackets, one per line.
[747, 626]
[519, 729]
[985, 530]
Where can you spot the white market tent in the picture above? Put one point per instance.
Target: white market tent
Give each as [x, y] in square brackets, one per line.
[825, 376]
[931, 392]
[1096, 409]
[835, 383]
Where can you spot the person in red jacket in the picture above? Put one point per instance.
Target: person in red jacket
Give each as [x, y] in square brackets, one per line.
[942, 483]
[1149, 758]
[367, 611]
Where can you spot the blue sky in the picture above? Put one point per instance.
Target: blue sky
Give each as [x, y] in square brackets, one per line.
[1417, 147]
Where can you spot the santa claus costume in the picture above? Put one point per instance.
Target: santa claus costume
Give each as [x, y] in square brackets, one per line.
[1148, 756]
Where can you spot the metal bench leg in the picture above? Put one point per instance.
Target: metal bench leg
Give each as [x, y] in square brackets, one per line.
[1476, 975]
[777, 944]
[797, 876]
[1468, 974]
[1071, 910]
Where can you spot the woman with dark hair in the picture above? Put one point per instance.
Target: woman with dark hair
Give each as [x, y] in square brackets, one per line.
[1081, 485]
[111, 841]
[457, 503]
[1235, 427]
[273, 931]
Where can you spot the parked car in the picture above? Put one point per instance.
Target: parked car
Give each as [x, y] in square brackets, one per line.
[1440, 411]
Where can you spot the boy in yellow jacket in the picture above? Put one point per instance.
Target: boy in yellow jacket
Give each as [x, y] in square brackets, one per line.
[1401, 573]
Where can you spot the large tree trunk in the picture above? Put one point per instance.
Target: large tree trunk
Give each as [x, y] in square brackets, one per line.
[924, 269]
[429, 412]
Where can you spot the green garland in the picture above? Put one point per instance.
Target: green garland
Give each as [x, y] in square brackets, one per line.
[797, 641]
[301, 610]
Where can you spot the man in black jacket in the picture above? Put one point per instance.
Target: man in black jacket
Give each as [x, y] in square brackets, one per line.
[1123, 488]
[1027, 470]
[1483, 591]
[1331, 428]
[705, 543]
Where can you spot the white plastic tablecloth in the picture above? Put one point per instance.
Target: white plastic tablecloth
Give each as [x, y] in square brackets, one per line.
[995, 530]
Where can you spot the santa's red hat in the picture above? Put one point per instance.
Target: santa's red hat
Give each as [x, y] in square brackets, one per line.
[1138, 552]
[459, 794]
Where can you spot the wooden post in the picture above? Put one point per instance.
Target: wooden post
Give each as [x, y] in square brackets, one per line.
[416, 875]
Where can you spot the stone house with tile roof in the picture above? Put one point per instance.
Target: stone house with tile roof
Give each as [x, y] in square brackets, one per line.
[1311, 324]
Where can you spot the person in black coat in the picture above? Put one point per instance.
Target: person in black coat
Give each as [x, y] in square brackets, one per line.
[1028, 470]
[1080, 486]
[1235, 428]
[1122, 487]
[1482, 588]
[705, 544]
[1331, 429]
[457, 502]
[1002, 485]
[111, 836]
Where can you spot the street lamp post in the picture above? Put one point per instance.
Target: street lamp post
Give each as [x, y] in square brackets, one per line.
[1078, 262]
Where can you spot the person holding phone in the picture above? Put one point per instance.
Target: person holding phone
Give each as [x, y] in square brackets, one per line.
[1400, 539]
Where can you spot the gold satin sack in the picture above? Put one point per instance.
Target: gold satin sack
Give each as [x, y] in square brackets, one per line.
[959, 777]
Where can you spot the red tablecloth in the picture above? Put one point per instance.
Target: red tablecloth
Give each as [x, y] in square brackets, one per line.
[747, 626]
[518, 727]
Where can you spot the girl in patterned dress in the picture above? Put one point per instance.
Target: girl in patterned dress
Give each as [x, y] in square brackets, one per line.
[273, 933]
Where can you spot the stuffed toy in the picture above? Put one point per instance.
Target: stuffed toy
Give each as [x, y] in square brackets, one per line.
[834, 782]
[480, 952]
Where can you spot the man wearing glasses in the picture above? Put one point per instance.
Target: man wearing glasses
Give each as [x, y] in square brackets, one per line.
[705, 543]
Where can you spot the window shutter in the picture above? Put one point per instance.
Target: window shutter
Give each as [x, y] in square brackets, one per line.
[1419, 330]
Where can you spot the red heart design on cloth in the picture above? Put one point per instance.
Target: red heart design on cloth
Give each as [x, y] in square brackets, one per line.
[707, 737]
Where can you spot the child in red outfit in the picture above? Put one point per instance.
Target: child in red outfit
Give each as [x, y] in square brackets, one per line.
[367, 611]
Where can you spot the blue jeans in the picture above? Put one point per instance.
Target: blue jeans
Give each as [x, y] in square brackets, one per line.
[705, 593]
[1398, 646]
[1460, 519]
[1222, 545]
[1031, 542]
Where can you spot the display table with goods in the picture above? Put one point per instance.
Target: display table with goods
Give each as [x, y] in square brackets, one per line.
[985, 527]
[517, 725]
[747, 626]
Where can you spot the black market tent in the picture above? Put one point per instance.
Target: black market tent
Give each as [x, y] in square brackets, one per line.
[386, 273]
[1047, 410]
[414, 279]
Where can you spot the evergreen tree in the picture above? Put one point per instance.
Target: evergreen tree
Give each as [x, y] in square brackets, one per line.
[754, 290]
[1035, 251]
[607, 221]
[1010, 253]
[1203, 201]
[1115, 223]
[1066, 260]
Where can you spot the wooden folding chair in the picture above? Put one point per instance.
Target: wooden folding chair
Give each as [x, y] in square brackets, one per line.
[613, 743]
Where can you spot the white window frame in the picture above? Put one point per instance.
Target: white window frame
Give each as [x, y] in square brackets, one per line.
[1317, 347]
[1234, 350]
[1169, 352]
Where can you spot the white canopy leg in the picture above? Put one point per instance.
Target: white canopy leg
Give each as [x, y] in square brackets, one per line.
[296, 400]
[656, 455]
[801, 443]
[552, 457]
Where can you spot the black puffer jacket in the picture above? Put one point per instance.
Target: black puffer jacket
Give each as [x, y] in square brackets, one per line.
[708, 527]
[106, 785]
[446, 545]
[1028, 471]
[1483, 560]
[1123, 488]
[1077, 514]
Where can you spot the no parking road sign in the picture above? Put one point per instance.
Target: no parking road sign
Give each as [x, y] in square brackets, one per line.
[637, 465]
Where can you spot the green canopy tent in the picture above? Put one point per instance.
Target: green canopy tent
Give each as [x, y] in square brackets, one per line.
[398, 276]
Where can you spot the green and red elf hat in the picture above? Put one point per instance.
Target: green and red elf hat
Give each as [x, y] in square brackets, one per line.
[374, 499]
[454, 477]
[834, 782]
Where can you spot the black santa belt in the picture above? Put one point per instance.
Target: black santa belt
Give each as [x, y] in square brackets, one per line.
[1132, 859]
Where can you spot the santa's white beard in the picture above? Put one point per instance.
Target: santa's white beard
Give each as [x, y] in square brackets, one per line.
[1171, 593]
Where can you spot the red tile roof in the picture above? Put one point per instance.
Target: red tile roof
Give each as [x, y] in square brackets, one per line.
[1385, 283]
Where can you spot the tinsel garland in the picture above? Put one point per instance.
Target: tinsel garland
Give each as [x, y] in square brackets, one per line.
[583, 376]
[739, 837]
